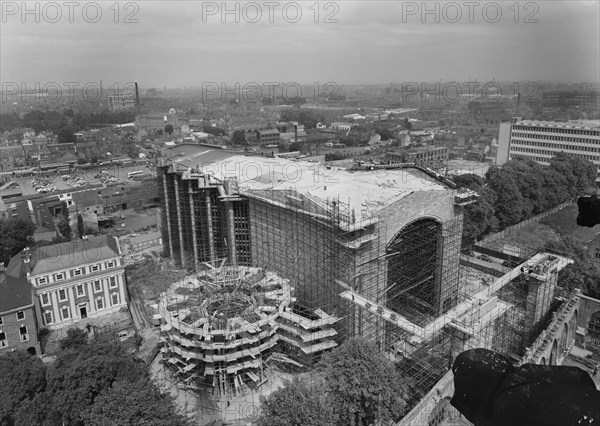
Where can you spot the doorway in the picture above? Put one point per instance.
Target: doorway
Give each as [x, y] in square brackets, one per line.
[83, 311]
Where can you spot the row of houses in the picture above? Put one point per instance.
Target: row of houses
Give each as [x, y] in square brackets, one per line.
[59, 286]
[17, 156]
[92, 202]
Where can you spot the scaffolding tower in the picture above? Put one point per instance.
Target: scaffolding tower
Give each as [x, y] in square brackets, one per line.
[404, 289]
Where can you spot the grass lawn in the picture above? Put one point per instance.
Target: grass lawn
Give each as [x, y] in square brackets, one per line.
[563, 221]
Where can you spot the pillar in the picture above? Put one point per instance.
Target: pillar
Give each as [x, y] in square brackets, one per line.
[121, 283]
[193, 217]
[168, 215]
[539, 298]
[231, 248]
[211, 242]
[179, 222]
[55, 307]
[92, 300]
[72, 293]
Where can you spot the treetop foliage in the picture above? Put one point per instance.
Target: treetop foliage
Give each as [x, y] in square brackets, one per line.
[521, 189]
[358, 385]
[16, 234]
[95, 383]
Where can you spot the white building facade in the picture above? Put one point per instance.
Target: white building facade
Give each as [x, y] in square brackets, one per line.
[542, 140]
[76, 280]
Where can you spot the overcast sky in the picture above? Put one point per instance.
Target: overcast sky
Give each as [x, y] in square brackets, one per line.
[174, 44]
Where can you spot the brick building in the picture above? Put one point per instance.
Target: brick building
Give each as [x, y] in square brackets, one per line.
[18, 323]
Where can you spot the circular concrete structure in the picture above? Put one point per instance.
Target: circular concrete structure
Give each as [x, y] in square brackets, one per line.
[219, 326]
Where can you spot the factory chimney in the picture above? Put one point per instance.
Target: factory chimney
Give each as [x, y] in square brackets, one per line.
[137, 98]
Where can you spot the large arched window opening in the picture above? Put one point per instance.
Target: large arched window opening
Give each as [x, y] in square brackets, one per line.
[593, 330]
[564, 338]
[413, 267]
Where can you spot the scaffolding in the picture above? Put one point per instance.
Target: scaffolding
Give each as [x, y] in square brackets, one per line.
[396, 281]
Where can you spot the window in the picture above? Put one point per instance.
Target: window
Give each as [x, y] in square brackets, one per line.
[77, 272]
[95, 268]
[62, 294]
[113, 282]
[99, 303]
[97, 286]
[48, 317]
[115, 298]
[20, 315]
[110, 264]
[1, 321]
[3, 343]
[41, 280]
[65, 312]
[80, 290]
[45, 299]
[59, 277]
[23, 333]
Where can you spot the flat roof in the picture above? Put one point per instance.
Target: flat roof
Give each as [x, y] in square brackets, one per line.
[55, 257]
[579, 124]
[364, 191]
[16, 293]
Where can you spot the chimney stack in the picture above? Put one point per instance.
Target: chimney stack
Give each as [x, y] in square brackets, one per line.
[137, 98]
[296, 132]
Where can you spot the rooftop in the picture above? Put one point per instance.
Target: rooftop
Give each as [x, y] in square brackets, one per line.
[15, 292]
[580, 124]
[64, 255]
[364, 191]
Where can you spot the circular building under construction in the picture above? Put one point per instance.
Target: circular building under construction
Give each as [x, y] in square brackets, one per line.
[221, 325]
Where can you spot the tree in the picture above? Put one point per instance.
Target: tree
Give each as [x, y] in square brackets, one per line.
[297, 403]
[479, 218]
[362, 382]
[385, 134]
[580, 174]
[282, 147]
[215, 131]
[133, 403]
[130, 148]
[470, 181]
[9, 122]
[581, 274]
[239, 137]
[295, 146]
[169, 129]
[16, 234]
[81, 373]
[23, 376]
[508, 207]
[66, 135]
[80, 227]
[64, 229]
[75, 337]
[96, 383]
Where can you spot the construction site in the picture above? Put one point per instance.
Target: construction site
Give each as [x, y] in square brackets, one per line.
[288, 259]
[220, 327]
